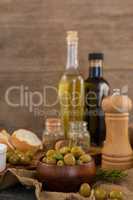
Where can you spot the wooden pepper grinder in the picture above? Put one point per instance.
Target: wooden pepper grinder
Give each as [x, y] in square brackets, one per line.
[117, 152]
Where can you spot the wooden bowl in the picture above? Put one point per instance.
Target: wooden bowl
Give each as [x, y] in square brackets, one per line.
[66, 178]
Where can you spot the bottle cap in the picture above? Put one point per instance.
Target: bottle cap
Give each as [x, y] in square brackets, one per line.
[3, 148]
[95, 56]
[53, 122]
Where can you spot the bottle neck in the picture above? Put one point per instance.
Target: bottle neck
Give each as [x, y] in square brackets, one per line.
[72, 55]
[53, 125]
[116, 92]
[53, 129]
[96, 69]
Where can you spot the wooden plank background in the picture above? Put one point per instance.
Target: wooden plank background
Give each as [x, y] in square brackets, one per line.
[33, 48]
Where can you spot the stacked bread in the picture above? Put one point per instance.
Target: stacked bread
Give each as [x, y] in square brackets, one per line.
[22, 139]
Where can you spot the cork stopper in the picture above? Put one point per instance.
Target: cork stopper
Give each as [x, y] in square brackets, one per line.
[72, 36]
[117, 103]
[53, 124]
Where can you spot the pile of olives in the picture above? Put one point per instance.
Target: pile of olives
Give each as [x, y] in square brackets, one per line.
[99, 193]
[66, 156]
[19, 158]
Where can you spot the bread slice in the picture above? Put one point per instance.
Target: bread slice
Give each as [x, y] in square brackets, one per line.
[25, 140]
[5, 139]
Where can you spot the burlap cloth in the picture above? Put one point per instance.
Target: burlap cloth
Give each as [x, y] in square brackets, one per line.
[28, 178]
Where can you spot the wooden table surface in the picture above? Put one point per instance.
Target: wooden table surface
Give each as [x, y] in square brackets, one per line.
[18, 192]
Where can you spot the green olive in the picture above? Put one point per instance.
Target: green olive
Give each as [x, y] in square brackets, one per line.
[14, 159]
[25, 160]
[58, 156]
[77, 151]
[100, 194]
[16, 151]
[8, 155]
[19, 154]
[85, 158]
[60, 163]
[69, 159]
[64, 150]
[30, 154]
[50, 152]
[51, 161]
[116, 195]
[79, 162]
[85, 190]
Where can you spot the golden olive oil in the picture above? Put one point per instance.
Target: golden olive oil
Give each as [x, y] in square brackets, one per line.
[71, 87]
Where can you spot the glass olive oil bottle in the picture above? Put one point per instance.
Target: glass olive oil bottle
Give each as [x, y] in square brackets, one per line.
[96, 88]
[71, 86]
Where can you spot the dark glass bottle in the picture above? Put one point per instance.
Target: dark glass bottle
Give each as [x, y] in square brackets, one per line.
[96, 88]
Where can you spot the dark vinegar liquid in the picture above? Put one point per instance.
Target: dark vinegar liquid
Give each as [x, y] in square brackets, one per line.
[96, 88]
